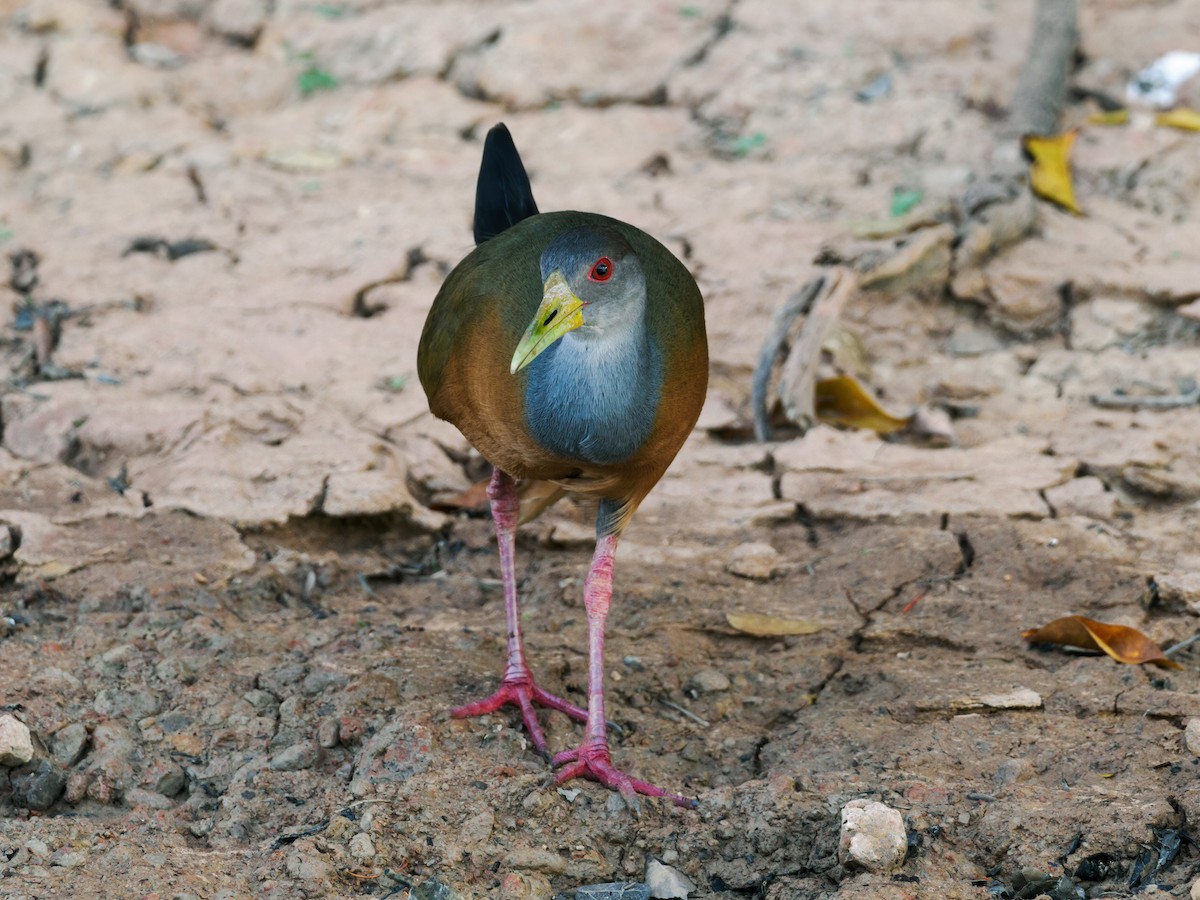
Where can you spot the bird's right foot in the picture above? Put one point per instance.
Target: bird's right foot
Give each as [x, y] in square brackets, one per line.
[523, 693]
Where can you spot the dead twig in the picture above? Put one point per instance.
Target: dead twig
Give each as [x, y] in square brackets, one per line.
[774, 348]
[797, 381]
[1155, 401]
[1182, 645]
[703, 723]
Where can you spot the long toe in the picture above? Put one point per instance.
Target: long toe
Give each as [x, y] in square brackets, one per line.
[592, 760]
[525, 695]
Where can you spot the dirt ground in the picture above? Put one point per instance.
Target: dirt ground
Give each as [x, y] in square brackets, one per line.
[234, 619]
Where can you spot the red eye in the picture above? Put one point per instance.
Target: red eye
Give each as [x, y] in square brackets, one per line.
[602, 270]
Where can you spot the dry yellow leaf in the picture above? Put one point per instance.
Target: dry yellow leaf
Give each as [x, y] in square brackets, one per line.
[1109, 117]
[844, 401]
[1050, 174]
[1182, 117]
[770, 626]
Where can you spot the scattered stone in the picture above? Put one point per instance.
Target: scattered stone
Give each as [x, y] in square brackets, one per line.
[69, 744]
[613, 890]
[16, 743]
[166, 778]
[872, 836]
[40, 786]
[327, 733]
[1013, 771]
[362, 847]
[1181, 586]
[68, 859]
[261, 699]
[37, 847]
[240, 21]
[1195, 891]
[316, 682]
[667, 882]
[1020, 698]
[303, 755]
[1191, 736]
[753, 560]
[709, 681]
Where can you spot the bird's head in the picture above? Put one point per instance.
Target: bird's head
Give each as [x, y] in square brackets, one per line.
[591, 281]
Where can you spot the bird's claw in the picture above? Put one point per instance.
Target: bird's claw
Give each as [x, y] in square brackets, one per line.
[592, 760]
[524, 694]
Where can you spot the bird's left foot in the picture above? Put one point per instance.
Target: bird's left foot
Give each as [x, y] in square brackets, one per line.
[522, 692]
[592, 760]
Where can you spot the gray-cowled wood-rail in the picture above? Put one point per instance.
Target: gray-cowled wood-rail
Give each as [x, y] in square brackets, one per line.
[567, 347]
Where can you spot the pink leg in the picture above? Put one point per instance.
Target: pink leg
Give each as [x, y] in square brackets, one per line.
[592, 758]
[518, 686]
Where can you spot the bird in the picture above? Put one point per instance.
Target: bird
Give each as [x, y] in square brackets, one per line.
[568, 348]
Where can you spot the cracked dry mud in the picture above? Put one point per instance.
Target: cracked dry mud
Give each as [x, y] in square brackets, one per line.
[240, 664]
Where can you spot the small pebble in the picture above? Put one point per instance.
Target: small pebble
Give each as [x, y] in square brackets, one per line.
[1191, 736]
[753, 560]
[40, 788]
[872, 836]
[710, 681]
[327, 733]
[37, 847]
[303, 755]
[16, 743]
[68, 859]
[69, 744]
[1195, 891]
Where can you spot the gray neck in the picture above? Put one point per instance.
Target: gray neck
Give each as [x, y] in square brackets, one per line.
[593, 397]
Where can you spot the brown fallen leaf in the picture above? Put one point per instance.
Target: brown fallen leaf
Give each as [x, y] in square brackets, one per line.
[770, 626]
[1182, 118]
[1122, 643]
[1050, 174]
[844, 401]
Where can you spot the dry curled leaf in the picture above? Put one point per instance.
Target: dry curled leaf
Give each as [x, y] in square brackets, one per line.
[1050, 174]
[1181, 117]
[770, 626]
[1122, 643]
[844, 401]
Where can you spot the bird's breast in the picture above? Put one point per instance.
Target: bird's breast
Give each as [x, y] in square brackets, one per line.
[594, 401]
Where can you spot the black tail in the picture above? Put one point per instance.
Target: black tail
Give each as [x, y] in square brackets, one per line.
[503, 196]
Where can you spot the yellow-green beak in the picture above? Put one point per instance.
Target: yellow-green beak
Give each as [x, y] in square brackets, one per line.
[560, 311]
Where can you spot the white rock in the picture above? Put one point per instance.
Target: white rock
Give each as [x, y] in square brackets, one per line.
[1191, 736]
[16, 744]
[1195, 892]
[666, 882]
[753, 560]
[873, 836]
[1020, 698]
